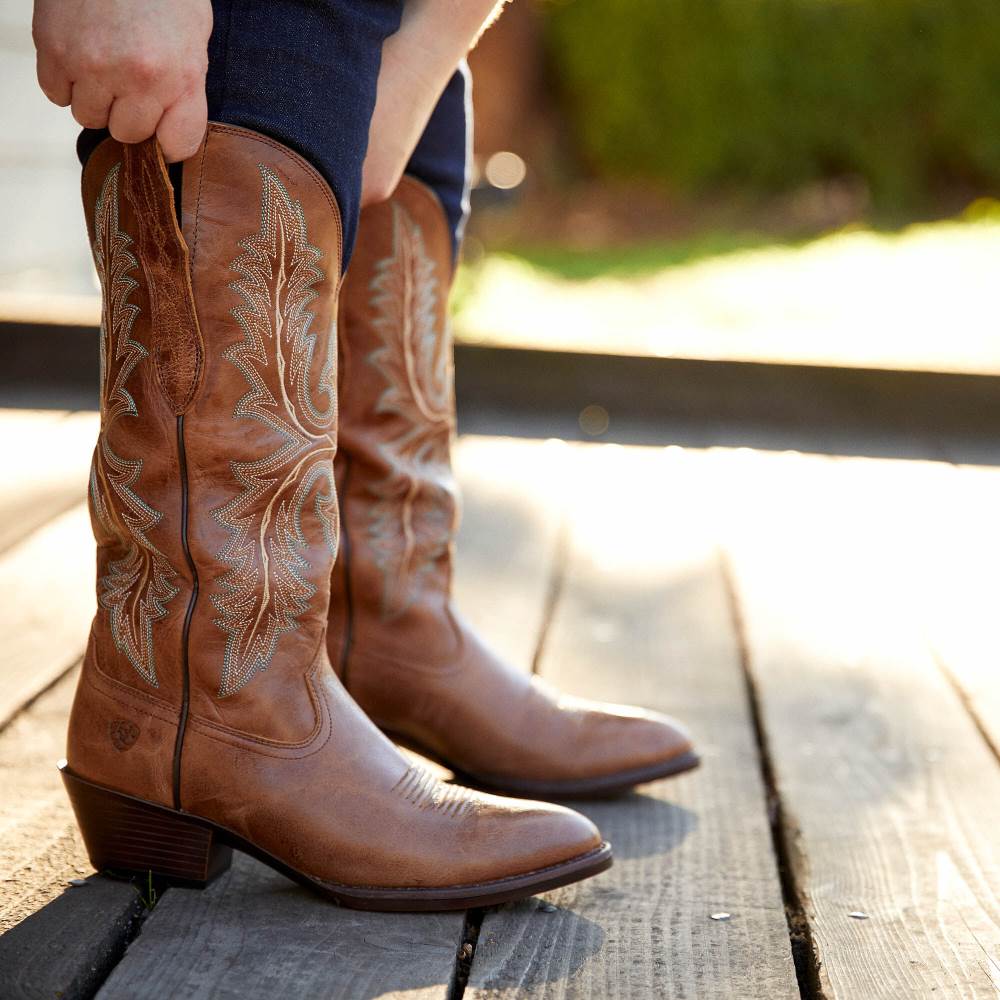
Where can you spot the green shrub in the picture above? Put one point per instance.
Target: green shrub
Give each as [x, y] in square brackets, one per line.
[771, 94]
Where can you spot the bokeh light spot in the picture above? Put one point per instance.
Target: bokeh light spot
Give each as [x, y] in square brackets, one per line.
[594, 420]
[505, 170]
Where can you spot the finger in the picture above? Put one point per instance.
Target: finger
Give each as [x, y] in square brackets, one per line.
[54, 83]
[133, 119]
[91, 103]
[182, 127]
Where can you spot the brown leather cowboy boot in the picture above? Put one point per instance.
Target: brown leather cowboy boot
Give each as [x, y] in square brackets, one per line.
[207, 715]
[398, 644]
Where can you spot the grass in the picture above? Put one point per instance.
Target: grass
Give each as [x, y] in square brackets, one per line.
[919, 297]
[641, 259]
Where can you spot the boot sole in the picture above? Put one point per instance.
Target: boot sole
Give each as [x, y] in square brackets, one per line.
[603, 786]
[129, 835]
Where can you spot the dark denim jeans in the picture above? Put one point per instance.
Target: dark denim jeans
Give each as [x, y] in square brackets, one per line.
[305, 73]
[443, 157]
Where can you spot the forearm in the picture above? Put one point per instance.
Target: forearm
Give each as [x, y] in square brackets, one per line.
[435, 35]
[417, 62]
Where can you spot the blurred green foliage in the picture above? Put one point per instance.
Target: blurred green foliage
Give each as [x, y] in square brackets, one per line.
[771, 94]
[637, 260]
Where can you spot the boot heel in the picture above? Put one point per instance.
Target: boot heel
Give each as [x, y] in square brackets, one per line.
[122, 833]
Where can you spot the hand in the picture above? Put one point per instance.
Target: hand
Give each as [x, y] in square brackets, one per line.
[136, 67]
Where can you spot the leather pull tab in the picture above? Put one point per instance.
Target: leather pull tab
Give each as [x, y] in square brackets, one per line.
[163, 254]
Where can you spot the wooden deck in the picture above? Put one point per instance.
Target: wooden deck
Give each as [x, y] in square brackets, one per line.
[827, 626]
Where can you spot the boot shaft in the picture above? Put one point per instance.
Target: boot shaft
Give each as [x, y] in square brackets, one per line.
[212, 490]
[399, 499]
[144, 581]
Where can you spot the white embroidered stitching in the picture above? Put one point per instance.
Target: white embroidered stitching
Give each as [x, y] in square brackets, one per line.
[136, 588]
[264, 591]
[413, 517]
[419, 787]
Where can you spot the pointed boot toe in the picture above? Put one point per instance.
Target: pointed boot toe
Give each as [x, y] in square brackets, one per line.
[550, 835]
[588, 749]
[632, 747]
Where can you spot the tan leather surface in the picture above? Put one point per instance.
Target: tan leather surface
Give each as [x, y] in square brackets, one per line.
[274, 748]
[347, 806]
[102, 707]
[164, 258]
[397, 642]
[143, 580]
[265, 275]
[133, 667]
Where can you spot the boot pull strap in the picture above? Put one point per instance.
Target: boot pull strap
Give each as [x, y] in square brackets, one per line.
[179, 351]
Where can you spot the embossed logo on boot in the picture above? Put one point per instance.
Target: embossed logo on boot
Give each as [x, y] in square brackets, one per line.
[123, 734]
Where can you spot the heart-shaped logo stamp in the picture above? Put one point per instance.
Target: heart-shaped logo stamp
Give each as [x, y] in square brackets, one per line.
[123, 734]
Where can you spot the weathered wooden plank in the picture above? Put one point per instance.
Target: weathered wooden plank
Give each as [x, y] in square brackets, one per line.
[67, 948]
[20, 430]
[56, 941]
[945, 550]
[890, 794]
[644, 619]
[40, 848]
[509, 539]
[47, 583]
[253, 934]
[961, 596]
[46, 455]
[46, 548]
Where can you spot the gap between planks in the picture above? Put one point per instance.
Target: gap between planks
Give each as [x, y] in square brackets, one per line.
[643, 619]
[55, 940]
[46, 550]
[47, 457]
[49, 602]
[959, 602]
[891, 795]
[783, 837]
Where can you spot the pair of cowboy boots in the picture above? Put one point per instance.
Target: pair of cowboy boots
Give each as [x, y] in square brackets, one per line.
[208, 715]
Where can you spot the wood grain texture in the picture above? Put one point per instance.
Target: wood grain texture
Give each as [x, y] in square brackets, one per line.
[46, 460]
[47, 588]
[644, 619]
[255, 935]
[66, 949]
[890, 793]
[40, 848]
[55, 940]
[513, 505]
[959, 598]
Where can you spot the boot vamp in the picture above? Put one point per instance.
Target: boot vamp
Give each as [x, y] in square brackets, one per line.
[346, 807]
[465, 705]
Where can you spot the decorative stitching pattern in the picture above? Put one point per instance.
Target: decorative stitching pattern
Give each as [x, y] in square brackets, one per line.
[176, 341]
[421, 788]
[412, 521]
[320, 186]
[137, 587]
[265, 590]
